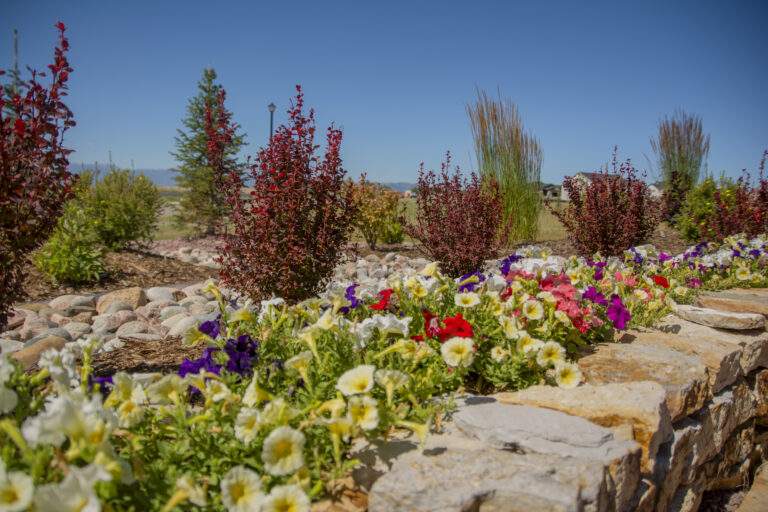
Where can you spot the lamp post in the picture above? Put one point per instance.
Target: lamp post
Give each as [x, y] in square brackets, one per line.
[271, 107]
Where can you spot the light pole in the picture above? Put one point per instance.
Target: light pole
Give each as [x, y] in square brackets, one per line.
[271, 107]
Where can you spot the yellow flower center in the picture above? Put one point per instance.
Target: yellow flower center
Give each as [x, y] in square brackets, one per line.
[9, 495]
[237, 491]
[283, 448]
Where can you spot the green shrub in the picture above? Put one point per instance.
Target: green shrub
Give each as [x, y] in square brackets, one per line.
[694, 221]
[126, 207]
[73, 254]
[377, 214]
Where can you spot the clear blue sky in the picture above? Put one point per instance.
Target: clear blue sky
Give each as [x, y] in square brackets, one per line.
[397, 75]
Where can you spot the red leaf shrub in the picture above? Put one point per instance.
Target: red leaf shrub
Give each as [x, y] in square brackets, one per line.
[34, 181]
[743, 209]
[609, 213]
[458, 221]
[290, 232]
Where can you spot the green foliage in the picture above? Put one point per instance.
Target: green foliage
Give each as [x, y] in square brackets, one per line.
[126, 207]
[700, 206]
[377, 214]
[202, 203]
[512, 157]
[73, 254]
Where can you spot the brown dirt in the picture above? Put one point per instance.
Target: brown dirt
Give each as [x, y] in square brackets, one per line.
[145, 356]
[124, 269]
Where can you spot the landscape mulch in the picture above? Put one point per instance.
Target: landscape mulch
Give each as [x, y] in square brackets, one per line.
[123, 270]
[139, 356]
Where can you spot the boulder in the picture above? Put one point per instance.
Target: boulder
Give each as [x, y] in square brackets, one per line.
[718, 318]
[110, 322]
[133, 296]
[29, 356]
[7, 346]
[77, 329]
[171, 321]
[33, 326]
[117, 306]
[752, 300]
[637, 409]
[15, 319]
[753, 344]
[685, 378]
[721, 358]
[169, 311]
[525, 429]
[56, 331]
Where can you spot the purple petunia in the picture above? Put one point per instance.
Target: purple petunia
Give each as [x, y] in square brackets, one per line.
[243, 353]
[591, 294]
[105, 383]
[349, 294]
[599, 266]
[755, 253]
[664, 257]
[507, 262]
[211, 328]
[617, 313]
[205, 362]
[472, 284]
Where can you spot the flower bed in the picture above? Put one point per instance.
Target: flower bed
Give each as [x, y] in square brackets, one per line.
[264, 419]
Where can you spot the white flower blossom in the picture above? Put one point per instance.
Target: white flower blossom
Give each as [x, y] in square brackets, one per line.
[357, 380]
[286, 498]
[241, 490]
[458, 352]
[283, 451]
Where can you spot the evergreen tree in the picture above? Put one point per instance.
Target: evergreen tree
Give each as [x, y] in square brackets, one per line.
[202, 203]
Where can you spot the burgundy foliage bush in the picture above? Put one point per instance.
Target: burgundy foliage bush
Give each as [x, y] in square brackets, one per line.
[291, 229]
[458, 221]
[609, 213]
[34, 181]
[745, 212]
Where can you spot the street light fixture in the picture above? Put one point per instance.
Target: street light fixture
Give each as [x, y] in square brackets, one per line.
[271, 107]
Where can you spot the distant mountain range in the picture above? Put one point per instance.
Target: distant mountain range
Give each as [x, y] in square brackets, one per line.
[164, 177]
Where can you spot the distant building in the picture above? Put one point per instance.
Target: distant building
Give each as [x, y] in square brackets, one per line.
[550, 191]
[408, 194]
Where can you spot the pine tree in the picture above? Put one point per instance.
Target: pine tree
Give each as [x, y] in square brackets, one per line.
[202, 203]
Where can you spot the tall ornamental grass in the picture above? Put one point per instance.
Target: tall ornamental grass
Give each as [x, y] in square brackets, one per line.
[512, 157]
[681, 148]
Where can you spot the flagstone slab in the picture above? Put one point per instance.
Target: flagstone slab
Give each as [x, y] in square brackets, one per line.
[754, 344]
[685, 378]
[490, 480]
[721, 358]
[738, 300]
[718, 318]
[638, 408]
[526, 429]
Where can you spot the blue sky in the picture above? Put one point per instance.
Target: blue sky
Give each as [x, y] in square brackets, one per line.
[397, 75]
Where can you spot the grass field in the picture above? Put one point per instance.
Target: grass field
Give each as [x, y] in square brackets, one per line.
[549, 227]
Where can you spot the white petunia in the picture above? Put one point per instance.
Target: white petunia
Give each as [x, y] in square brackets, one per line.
[70, 415]
[550, 354]
[241, 490]
[743, 274]
[527, 344]
[458, 352]
[363, 412]
[193, 492]
[254, 394]
[16, 490]
[533, 310]
[567, 375]
[247, 424]
[467, 299]
[286, 498]
[391, 381]
[510, 326]
[73, 494]
[171, 389]
[283, 451]
[277, 412]
[357, 380]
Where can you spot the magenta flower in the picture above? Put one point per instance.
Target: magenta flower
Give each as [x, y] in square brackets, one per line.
[617, 313]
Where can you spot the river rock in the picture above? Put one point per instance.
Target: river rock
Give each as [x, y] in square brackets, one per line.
[133, 297]
[34, 325]
[15, 319]
[7, 346]
[110, 322]
[638, 409]
[29, 356]
[169, 311]
[77, 329]
[685, 378]
[180, 327]
[55, 331]
[164, 293]
[718, 318]
[133, 327]
[69, 301]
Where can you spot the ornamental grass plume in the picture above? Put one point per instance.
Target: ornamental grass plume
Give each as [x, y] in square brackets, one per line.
[458, 220]
[610, 211]
[291, 228]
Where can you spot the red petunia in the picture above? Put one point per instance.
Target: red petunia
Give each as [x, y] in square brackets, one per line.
[383, 301]
[455, 327]
[431, 323]
[661, 281]
[19, 127]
